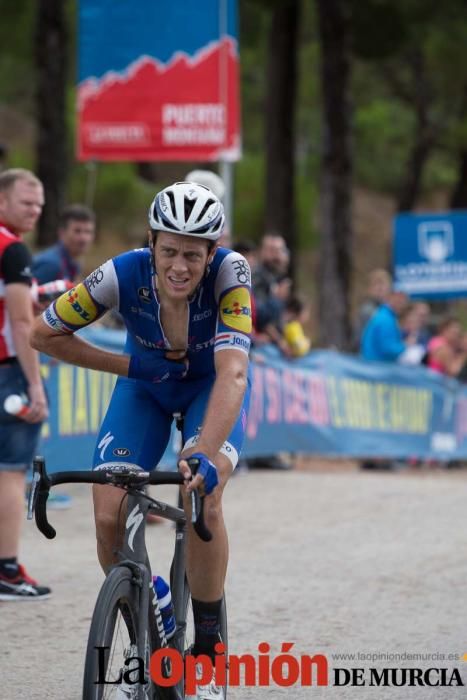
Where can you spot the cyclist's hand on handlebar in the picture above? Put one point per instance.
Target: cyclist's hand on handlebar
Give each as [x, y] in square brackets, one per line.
[156, 368]
[199, 473]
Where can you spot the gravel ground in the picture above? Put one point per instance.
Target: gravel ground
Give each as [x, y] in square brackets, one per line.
[335, 561]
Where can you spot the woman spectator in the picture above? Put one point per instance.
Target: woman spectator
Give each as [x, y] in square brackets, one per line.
[447, 353]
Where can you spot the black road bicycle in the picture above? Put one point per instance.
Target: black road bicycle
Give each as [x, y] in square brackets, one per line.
[127, 625]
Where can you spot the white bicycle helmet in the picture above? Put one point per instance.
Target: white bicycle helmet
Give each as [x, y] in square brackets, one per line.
[189, 209]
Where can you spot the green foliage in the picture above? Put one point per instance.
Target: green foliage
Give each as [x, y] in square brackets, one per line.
[253, 33]
[115, 192]
[21, 157]
[16, 57]
[382, 139]
[378, 28]
[249, 197]
[387, 34]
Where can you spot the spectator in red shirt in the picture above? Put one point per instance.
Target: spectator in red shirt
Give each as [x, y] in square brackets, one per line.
[21, 202]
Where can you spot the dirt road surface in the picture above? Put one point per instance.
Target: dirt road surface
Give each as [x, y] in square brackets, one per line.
[336, 561]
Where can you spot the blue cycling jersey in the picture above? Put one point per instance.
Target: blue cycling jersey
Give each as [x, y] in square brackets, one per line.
[219, 318]
[219, 310]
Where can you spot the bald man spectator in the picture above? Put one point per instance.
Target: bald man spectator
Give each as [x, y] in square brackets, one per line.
[379, 287]
[21, 202]
[382, 335]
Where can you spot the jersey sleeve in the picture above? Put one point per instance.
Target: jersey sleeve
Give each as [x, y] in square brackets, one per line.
[86, 302]
[233, 295]
[16, 264]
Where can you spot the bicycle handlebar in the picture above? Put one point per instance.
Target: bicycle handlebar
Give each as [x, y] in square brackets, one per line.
[118, 476]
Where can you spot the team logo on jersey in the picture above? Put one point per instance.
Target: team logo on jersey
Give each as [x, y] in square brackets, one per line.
[95, 278]
[235, 310]
[144, 294]
[242, 271]
[76, 306]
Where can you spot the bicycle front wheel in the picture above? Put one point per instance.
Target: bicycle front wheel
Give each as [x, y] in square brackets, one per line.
[113, 638]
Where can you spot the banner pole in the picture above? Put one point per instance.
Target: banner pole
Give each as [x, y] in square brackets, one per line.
[226, 167]
[226, 173]
[91, 183]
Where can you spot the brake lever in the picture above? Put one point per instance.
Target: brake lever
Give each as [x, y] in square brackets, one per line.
[32, 500]
[40, 493]
[197, 509]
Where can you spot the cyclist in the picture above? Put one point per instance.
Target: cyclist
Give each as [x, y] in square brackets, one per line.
[186, 305]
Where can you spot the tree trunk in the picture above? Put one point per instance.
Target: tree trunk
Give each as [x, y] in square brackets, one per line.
[411, 186]
[459, 195]
[334, 277]
[280, 121]
[51, 62]
[424, 135]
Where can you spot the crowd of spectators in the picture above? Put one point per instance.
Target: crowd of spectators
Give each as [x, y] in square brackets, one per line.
[409, 333]
[279, 315]
[388, 327]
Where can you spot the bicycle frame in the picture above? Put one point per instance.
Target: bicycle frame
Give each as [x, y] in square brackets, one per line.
[133, 554]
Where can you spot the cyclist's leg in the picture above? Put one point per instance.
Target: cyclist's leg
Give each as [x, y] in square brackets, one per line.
[207, 562]
[135, 430]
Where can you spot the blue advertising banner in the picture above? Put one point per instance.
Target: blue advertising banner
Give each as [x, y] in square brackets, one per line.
[158, 80]
[430, 254]
[325, 403]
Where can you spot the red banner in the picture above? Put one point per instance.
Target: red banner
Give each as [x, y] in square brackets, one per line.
[185, 108]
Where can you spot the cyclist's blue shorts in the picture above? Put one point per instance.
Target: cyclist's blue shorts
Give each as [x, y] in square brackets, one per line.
[137, 426]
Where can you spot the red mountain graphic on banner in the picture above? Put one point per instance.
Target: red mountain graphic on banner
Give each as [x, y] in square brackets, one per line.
[187, 109]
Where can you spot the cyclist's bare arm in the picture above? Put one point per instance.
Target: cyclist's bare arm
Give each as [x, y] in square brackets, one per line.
[76, 351]
[223, 407]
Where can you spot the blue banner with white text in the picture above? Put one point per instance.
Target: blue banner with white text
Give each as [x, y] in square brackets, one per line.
[326, 404]
[430, 254]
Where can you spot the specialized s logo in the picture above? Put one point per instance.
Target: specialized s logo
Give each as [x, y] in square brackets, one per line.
[235, 310]
[76, 307]
[133, 522]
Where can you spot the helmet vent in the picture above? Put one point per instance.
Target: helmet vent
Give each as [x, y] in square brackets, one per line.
[204, 209]
[171, 198]
[189, 204]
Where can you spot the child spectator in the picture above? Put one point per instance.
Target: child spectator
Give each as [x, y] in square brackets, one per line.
[296, 314]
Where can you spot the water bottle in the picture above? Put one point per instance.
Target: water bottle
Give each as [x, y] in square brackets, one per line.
[16, 405]
[166, 607]
[50, 290]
